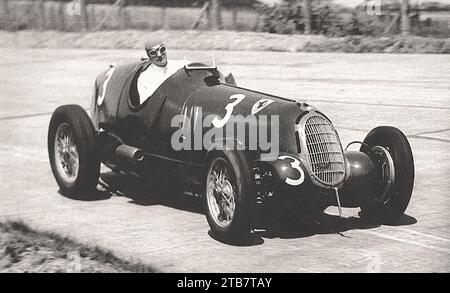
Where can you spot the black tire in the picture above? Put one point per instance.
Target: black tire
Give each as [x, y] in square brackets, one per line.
[399, 194]
[245, 201]
[77, 123]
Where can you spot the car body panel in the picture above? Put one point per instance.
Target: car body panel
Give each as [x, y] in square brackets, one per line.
[192, 96]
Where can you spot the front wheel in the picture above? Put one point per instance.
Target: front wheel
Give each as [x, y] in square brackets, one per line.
[229, 199]
[71, 147]
[391, 153]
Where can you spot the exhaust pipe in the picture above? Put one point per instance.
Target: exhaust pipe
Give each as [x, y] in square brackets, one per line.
[128, 152]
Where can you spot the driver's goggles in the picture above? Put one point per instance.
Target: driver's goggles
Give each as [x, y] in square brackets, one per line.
[154, 52]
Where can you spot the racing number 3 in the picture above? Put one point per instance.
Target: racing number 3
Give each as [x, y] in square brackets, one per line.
[219, 123]
[109, 73]
[296, 165]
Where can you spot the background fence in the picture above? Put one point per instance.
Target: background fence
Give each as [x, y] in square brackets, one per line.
[289, 16]
[59, 15]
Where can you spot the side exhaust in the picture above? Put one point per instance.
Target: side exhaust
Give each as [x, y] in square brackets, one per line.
[128, 152]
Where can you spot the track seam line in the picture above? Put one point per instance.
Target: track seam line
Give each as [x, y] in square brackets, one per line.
[30, 115]
[374, 104]
[409, 135]
[423, 234]
[405, 241]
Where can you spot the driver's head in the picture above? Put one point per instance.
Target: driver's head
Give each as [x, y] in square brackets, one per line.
[157, 53]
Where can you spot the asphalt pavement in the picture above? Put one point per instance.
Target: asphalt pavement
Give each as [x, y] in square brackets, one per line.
[357, 91]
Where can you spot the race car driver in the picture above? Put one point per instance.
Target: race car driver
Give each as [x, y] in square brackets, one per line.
[157, 72]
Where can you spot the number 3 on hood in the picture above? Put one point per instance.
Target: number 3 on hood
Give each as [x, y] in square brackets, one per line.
[219, 123]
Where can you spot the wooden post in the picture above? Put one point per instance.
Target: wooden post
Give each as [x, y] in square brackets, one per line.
[307, 15]
[84, 16]
[41, 12]
[258, 19]
[405, 21]
[107, 15]
[123, 15]
[92, 18]
[5, 8]
[61, 17]
[29, 17]
[52, 23]
[234, 23]
[5, 16]
[393, 23]
[202, 13]
[216, 19]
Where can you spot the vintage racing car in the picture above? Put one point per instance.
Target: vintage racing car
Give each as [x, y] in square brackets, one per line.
[237, 174]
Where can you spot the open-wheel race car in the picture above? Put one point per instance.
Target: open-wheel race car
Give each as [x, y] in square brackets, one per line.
[244, 149]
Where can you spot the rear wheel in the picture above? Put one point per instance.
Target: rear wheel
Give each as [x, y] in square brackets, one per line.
[391, 153]
[229, 199]
[71, 147]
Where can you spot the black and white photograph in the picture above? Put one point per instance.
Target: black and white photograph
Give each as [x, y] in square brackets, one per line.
[249, 137]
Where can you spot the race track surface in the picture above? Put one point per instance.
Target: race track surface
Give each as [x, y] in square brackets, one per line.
[357, 92]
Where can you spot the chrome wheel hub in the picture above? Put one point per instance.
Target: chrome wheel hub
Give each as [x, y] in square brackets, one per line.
[67, 159]
[220, 193]
[386, 179]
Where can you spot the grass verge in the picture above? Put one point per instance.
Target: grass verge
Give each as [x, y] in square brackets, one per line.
[223, 40]
[23, 249]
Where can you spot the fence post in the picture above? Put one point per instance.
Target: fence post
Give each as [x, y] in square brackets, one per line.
[84, 16]
[205, 10]
[123, 15]
[307, 15]
[258, 19]
[234, 22]
[5, 8]
[5, 16]
[52, 23]
[404, 10]
[41, 11]
[106, 15]
[216, 19]
[61, 17]
[92, 18]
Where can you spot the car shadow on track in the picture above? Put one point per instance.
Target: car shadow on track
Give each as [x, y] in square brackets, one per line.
[286, 227]
[306, 226]
[89, 196]
[137, 190]
[148, 193]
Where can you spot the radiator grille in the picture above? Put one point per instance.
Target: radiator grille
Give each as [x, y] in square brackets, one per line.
[324, 150]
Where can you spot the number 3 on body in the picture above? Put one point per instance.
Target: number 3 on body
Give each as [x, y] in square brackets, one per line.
[296, 165]
[109, 73]
[219, 123]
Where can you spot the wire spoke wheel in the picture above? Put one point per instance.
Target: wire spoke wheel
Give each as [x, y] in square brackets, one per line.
[221, 192]
[72, 151]
[66, 153]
